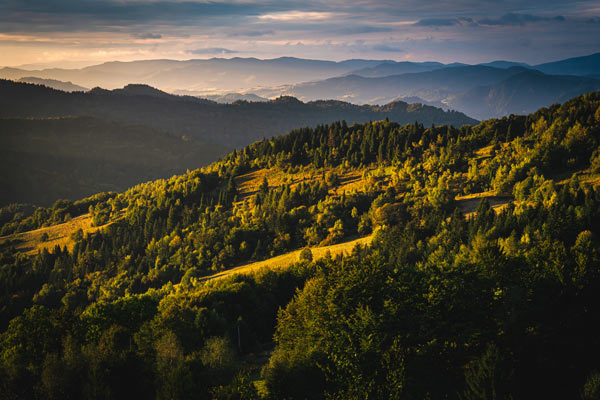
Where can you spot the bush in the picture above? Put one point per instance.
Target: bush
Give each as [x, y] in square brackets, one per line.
[306, 255]
[591, 389]
[331, 178]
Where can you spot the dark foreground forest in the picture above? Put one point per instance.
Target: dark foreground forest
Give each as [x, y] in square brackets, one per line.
[482, 280]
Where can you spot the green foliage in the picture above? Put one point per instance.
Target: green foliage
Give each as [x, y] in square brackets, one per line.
[240, 388]
[305, 255]
[19, 217]
[485, 378]
[591, 389]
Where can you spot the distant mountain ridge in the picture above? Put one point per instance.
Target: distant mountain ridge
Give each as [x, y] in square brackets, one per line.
[236, 124]
[54, 84]
[434, 85]
[199, 75]
[229, 98]
[586, 65]
[473, 90]
[356, 81]
[220, 76]
[70, 145]
[521, 93]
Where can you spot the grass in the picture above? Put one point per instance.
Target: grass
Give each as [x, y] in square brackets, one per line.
[57, 235]
[480, 195]
[484, 151]
[584, 176]
[248, 184]
[469, 203]
[292, 257]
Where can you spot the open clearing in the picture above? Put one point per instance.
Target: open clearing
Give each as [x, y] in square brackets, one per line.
[31, 242]
[469, 203]
[248, 184]
[292, 257]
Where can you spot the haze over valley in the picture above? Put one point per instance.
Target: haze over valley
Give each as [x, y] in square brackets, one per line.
[492, 89]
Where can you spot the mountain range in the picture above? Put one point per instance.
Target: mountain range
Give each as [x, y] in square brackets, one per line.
[54, 84]
[479, 91]
[236, 124]
[212, 75]
[471, 89]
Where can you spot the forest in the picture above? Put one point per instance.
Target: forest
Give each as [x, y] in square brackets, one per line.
[481, 280]
[78, 156]
[230, 125]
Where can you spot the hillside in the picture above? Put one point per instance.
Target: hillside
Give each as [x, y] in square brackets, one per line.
[498, 295]
[72, 157]
[432, 85]
[396, 68]
[54, 84]
[231, 125]
[581, 66]
[521, 93]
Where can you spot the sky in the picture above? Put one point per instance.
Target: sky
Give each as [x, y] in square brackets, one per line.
[74, 33]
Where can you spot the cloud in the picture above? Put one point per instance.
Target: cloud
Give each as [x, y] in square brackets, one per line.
[296, 15]
[355, 30]
[328, 29]
[437, 22]
[512, 19]
[146, 35]
[387, 48]
[253, 33]
[212, 50]
[73, 14]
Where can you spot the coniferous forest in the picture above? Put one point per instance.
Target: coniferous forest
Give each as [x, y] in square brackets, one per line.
[481, 279]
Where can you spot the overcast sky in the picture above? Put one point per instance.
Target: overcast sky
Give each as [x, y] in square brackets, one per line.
[76, 32]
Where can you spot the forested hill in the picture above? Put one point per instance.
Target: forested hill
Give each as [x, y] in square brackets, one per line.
[235, 125]
[482, 280]
[46, 159]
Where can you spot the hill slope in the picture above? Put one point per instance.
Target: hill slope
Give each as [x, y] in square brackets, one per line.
[72, 157]
[236, 124]
[586, 65]
[505, 297]
[521, 93]
[431, 85]
[54, 84]
[480, 91]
